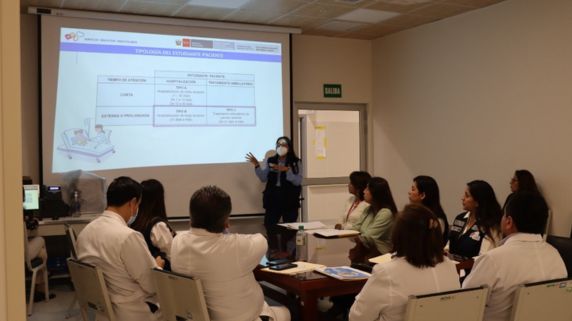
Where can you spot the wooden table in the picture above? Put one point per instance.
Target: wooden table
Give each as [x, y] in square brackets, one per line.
[308, 287]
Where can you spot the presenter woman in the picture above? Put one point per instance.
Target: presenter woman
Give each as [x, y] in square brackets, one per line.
[151, 221]
[417, 267]
[282, 174]
[476, 230]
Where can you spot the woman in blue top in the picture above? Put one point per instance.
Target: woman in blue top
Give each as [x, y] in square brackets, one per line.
[282, 174]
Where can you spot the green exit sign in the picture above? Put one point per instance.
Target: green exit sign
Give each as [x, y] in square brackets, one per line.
[332, 90]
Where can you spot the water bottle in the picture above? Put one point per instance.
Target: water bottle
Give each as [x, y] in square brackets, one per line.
[76, 204]
[301, 245]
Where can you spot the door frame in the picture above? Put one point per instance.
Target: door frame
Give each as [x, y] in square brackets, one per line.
[296, 139]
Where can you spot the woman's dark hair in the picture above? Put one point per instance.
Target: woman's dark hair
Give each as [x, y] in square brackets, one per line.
[209, 207]
[526, 182]
[488, 212]
[432, 199]
[359, 180]
[381, 196]
[417, 236]
[291, 158]
[152, 205]
[122, 190]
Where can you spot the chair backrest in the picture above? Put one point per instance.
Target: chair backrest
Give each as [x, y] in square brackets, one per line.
[90, 288]
[448, 306]
[548, 300]
[71, 238]
[180, 297]
[26, 256]
[564, 247]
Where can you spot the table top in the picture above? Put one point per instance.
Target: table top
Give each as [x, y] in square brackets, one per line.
[82, 219]
[310, 281]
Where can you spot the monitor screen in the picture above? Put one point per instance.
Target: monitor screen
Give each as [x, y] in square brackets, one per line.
[31, 197]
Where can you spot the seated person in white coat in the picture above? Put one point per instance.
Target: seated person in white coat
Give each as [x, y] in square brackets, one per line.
[121, 254]
[417, 267]
[222, 261]
[523, 256]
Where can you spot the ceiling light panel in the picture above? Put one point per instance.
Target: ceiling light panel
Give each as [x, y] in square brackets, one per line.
[367, 15]
[226, 4]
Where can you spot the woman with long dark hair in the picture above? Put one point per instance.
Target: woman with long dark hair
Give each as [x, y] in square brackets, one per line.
[522, 181]
[282, 174]
[356, 204]
[417, 267]
[375, 223]
[151, 220]
[476, 230]
[425, 190]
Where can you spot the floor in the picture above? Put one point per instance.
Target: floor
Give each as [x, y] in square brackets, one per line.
[59, 307]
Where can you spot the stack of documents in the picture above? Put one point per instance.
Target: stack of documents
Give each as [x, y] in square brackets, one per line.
[307, 225]
[382, 258]
[333, 233]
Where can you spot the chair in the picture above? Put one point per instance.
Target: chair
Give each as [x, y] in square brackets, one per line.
[90, 289]
[35, 265]
[448, 306]
[180, 297]
[71, 240]
[548, 300]
[564, 247]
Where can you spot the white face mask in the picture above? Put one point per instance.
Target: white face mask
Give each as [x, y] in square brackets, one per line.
[132, 218]
[281, 151]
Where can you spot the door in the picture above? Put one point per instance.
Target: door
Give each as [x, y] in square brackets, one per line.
[331, 139]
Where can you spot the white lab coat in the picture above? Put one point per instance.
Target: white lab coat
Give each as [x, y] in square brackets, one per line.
[224, 264]
[162, 238]
[522, 258]
[348, 221]
[122, 255]
[385, 294]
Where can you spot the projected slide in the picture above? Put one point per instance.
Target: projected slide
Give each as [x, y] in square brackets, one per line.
[137, 100]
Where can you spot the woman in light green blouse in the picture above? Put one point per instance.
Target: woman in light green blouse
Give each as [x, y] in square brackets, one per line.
[376, 222]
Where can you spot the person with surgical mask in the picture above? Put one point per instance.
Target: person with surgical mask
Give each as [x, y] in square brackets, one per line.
[282, 174]
[122, 255]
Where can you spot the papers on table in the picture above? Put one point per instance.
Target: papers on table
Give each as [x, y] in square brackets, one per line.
[333, 233]
[382, 258]
[344, 273]
[301, 268]
[307, 225]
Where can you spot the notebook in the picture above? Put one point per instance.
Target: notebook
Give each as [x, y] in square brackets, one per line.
[344, 273]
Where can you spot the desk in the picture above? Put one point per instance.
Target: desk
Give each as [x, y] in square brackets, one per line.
[49, 227]
[308, 287]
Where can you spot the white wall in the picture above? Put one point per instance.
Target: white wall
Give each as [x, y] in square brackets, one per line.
[475, 97]
[322, 60]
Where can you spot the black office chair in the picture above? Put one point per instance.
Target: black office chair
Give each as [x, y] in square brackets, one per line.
[564, 246]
